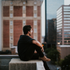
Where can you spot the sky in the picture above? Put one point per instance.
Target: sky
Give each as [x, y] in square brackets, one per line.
[52, 6]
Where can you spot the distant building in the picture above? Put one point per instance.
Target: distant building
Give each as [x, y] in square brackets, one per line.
[43, 37]
[63, 29]
[64, 50]
[63, 25]
[66, 2]
[52, 6]
[15, 15]
[51, 38]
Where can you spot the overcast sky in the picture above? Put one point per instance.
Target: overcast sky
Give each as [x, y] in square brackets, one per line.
[52, 6]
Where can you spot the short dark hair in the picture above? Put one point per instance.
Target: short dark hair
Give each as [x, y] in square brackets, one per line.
[26, 28]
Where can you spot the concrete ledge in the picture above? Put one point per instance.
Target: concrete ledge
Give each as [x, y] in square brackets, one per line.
[8, 56]
[17, 64]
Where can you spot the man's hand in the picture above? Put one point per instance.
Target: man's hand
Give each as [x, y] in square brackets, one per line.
[42, 49]
[38, 44]
[35, 51]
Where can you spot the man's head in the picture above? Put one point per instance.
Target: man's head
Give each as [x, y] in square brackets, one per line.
[27, 29]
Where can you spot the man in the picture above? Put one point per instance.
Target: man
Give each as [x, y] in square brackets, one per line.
[29, 48]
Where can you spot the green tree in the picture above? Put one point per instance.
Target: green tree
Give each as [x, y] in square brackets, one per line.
[53, 54]
[66, 63]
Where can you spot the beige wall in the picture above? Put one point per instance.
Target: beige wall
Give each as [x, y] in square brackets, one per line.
[0, 28]
[64, 50]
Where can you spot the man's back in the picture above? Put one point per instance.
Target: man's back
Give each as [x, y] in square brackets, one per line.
[23, 45]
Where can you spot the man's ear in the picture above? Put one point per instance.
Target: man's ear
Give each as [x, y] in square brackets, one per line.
[28, 31]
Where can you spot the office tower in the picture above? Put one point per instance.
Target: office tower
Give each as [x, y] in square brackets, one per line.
[66, 2]
[63, 30]
[52, 6]
[51, 41]
[63, 25]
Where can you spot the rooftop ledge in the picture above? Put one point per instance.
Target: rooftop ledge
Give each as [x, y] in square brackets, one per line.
[15, 64]
[8, 56]
[63, 45]
[22, 0]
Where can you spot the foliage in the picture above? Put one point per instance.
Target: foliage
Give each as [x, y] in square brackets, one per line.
[47, 50]
[53, 54]
[59, 63]
[66, 63]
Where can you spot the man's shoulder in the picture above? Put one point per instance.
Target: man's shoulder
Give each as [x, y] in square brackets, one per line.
[26, 37]
[22, 36]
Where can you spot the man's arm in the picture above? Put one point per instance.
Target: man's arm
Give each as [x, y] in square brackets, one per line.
[38, 44]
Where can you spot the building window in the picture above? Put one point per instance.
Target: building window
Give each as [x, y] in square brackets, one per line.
[66, 12]
[24, 23]
[11, 37]
[67, 9]
[35, 15]
[11, 30]
[59, 15]
[11, 15]
[24, 8]
[23, 15]
[66, 30]
[66, 35]
[66, 27]
[11, 7]
[11, 45]
[58, 11]
[35, 30]
[67, 24]
[11, 22]
[35, 37]
[35, 7]
[11, 3]
[66, 21]
[67, 16]
[67, 41]
[35, 3]
[24, 3]
[66, 38]
[35, 22]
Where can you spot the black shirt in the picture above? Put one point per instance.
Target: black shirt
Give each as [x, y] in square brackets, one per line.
[23, 45]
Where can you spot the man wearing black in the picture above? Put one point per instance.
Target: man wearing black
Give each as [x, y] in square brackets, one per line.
[30, 49]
